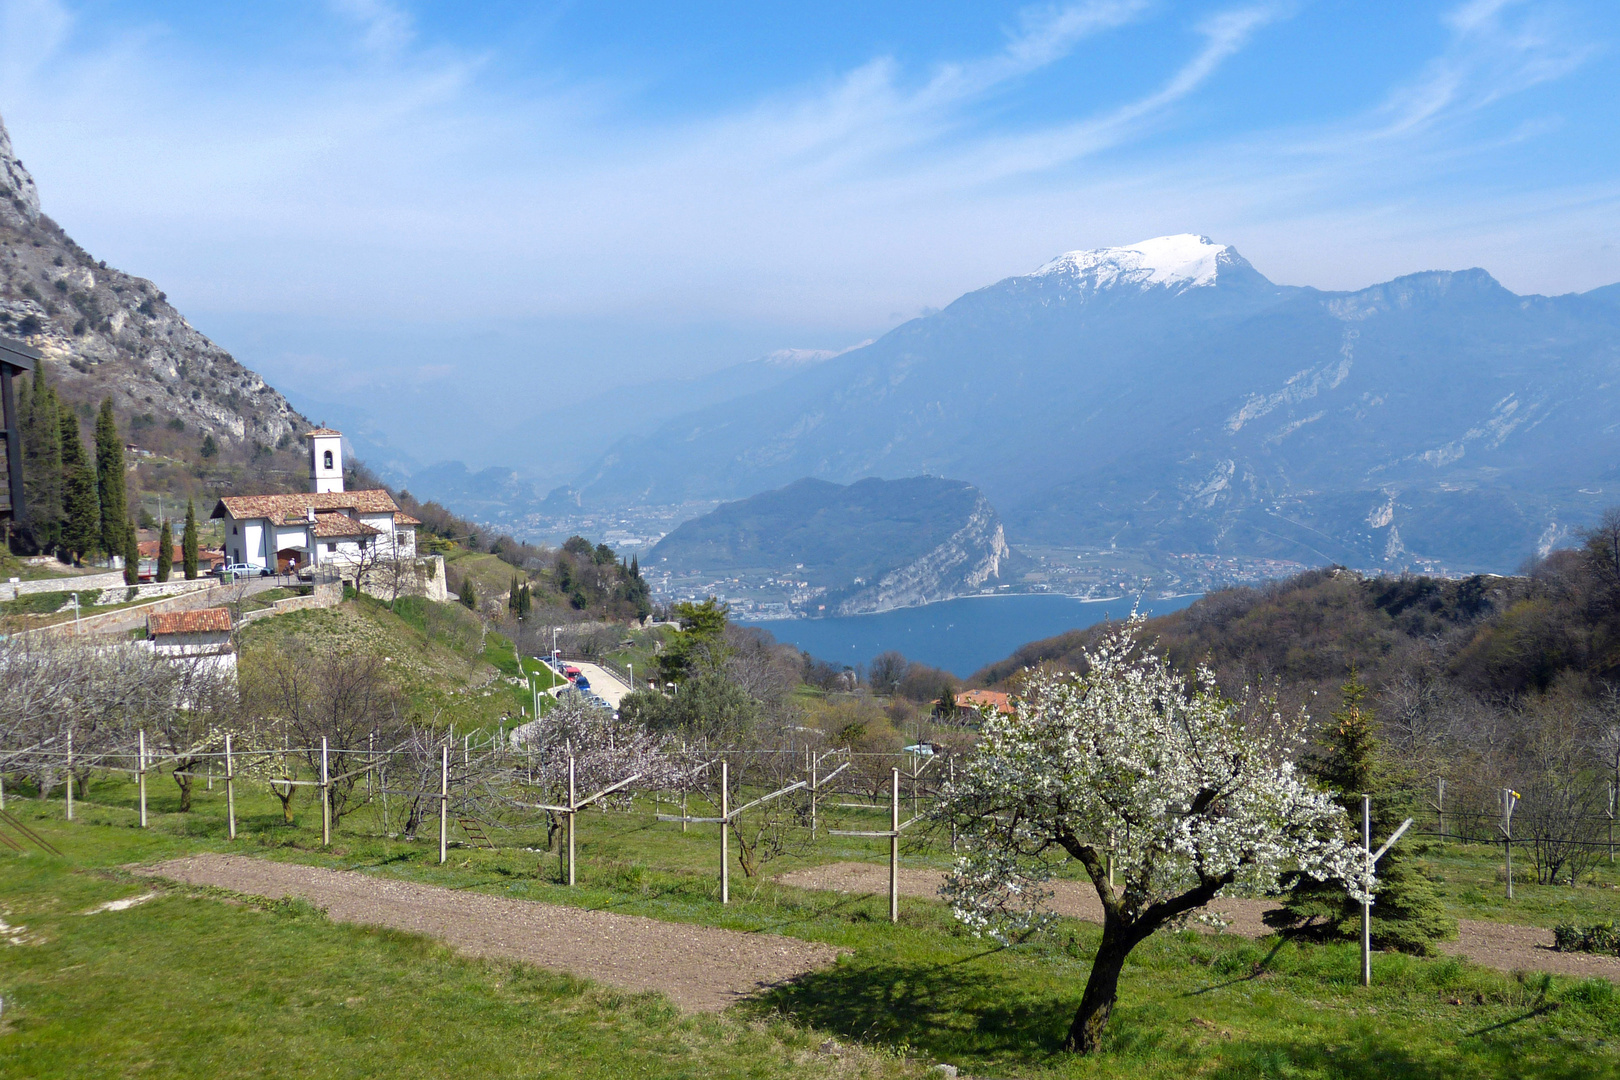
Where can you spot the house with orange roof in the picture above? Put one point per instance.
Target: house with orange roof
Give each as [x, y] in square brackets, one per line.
[998, 700]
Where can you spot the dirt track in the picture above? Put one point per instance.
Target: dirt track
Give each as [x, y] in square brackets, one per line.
[700, 968]
[1504, 946]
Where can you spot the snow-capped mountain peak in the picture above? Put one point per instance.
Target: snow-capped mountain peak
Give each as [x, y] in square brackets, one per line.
[1183, 261]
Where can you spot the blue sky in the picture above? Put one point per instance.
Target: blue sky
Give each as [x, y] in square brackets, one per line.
[420, 205]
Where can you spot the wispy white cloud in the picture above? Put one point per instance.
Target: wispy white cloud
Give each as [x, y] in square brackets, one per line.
[411, 186]
[385, 28]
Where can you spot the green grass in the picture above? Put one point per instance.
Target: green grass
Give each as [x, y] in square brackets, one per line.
[276, 982]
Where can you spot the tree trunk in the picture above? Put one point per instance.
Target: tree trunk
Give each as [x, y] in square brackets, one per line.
[286, 802]
[1085, 1033]
[184, 783]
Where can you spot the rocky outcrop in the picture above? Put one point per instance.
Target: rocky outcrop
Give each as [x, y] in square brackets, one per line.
[970, 559]
[112, 334]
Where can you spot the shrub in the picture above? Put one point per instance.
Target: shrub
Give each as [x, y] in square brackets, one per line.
[1598, 938]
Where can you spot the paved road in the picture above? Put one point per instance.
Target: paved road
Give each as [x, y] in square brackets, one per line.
[606, 685]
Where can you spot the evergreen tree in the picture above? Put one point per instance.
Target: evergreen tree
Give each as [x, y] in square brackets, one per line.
[81, 514]
[165, 559]
[1406, 912]
[513, 598]
[468, 599]
[110, 488]
[132, 555]
[188, 542]
[42, 461]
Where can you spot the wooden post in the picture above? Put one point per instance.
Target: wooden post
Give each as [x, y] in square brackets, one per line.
[951, 765]
[725, 826]
[1366, 905]
[894, 846]
[572, 813]
[683, 810]
[444, 803]
[2, 791]
[1440, 806]
[1509, 797]
[1611, 821]
[140, 775]
[210, 776]
[230, 788]
[70, 774]
[326, 799]
[813, 794]
[371, 760]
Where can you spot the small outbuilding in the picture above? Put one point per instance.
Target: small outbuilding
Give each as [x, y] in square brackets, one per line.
[204, 632]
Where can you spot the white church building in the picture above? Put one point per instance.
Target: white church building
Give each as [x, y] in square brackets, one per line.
[326, 526]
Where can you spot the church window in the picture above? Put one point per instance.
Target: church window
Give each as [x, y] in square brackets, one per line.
[328, 459]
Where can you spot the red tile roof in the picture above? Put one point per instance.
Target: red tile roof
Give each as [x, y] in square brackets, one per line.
[321, 431]
[201, 621]
[331, 525]
[289, 509]
[990, 699]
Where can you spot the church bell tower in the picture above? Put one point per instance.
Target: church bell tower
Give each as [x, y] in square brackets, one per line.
[325, 460]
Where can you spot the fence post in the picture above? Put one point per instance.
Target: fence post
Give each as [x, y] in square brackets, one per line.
[1366, 904]
[571, 815]
[140, 775]
[326, 798]
[951, 766]
[894, 845]
[230, 788]
[725, 825]
[814, 794]
[444, 803]
[1440, 806]
[70, 774]
[371, 761]
[1509, 798]
[1611, 821]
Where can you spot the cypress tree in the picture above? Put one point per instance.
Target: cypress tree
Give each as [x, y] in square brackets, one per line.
[468, 599]
[165, 559]
[1406, 912]
[188, 542]
[81, 514]
[110, 488]
[42, 462]
[132, 555]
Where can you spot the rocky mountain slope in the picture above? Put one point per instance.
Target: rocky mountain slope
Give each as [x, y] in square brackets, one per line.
[871, 546]
[1168, 396]
[107, 333]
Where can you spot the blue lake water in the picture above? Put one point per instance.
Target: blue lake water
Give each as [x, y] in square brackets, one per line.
[960, 636]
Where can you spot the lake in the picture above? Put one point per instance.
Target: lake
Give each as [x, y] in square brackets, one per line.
[961, 635]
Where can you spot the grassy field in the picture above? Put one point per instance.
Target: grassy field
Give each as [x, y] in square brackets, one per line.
[242, 990]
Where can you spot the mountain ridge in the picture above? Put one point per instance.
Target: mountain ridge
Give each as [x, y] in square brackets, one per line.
[1401, 426]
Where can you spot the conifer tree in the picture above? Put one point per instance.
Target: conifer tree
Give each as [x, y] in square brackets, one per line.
[1406, 912]
[188, 542]
[468, 599]
[81, 514]
[42, 461]
[132, 555]
[110, 488]
[165, 558]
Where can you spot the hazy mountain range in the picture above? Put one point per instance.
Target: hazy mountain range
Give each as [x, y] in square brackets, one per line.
[1167, 395]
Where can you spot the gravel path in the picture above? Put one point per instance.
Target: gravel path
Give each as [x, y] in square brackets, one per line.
[1504, 946]
[700, 968]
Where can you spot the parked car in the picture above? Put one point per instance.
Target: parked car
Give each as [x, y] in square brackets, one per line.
[239, 569]
[581, 683]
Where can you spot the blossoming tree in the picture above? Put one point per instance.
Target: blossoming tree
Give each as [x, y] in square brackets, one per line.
[1184, 790]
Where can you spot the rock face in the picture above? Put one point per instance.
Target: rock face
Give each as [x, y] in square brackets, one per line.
[871, 546]
[112, 334]
[19, 199]
[963, 563]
